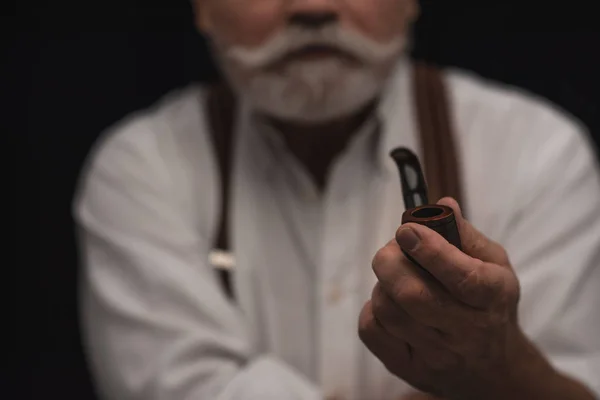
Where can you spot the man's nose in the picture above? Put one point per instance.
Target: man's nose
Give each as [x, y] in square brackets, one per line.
[313, 14]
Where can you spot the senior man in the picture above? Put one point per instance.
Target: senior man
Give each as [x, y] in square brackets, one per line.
[323, 93]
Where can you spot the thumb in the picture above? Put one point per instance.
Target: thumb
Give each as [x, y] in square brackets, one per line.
[475, 243]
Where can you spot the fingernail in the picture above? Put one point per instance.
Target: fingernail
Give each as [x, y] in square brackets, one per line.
[407, 239]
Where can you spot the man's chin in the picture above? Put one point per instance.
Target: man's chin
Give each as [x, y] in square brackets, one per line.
[313, 114]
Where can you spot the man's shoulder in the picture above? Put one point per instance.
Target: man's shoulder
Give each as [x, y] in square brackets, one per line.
[473, 93]
[515, 147]
[502, 115]
[169, 132]
[164, 148]
[173, 118]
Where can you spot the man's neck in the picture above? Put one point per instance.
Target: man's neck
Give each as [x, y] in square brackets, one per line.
[317, 146]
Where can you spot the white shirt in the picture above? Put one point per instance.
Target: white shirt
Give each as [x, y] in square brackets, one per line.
[158, 325]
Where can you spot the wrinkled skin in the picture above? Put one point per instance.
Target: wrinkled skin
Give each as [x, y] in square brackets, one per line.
[450, 331]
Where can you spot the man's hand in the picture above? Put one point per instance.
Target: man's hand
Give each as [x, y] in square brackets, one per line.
[450, 328]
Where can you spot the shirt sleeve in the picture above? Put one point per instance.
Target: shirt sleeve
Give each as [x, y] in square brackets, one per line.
[157, 325]
[554, 245]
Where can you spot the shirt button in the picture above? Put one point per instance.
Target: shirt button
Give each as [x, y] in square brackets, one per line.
[335, 294]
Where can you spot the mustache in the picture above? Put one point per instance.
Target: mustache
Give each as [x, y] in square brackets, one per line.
[297, 38]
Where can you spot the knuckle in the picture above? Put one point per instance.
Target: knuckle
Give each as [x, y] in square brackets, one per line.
[504, 259]
[412, 293]
[382, 257]
[512, 290]
[378, 308]
[366, 323]
[483, 285]
[478, 244]
[376, 290]
[384, 311]
[502, 288]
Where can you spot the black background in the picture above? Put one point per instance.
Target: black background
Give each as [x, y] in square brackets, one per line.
[78, 68]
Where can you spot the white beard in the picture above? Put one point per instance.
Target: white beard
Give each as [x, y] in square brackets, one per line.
[311, 91]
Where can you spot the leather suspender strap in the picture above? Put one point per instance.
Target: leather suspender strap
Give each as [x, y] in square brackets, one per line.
[440, 157]
[221, 109]
[221, 112]
[434, 122]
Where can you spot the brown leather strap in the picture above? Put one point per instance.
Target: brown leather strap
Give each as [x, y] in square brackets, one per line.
[221, 106]
[221, 111]
[440, 158]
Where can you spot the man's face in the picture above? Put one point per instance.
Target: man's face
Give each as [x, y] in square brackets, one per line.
[307, 60]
